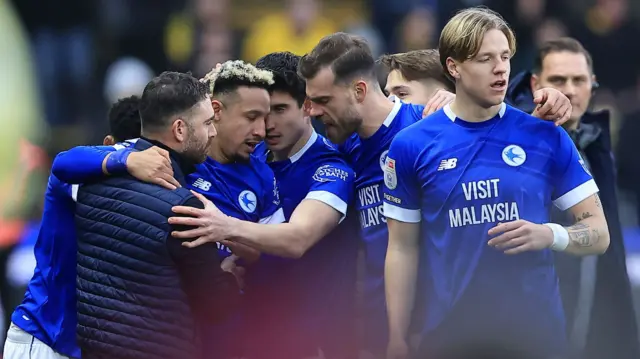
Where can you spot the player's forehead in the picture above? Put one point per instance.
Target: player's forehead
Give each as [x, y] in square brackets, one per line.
[253, 99]
[494, 42]
[323, 84]
[281, 98]
[565, 63]
[395, 80]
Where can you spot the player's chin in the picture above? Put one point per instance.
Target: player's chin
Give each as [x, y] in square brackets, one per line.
[336, 135]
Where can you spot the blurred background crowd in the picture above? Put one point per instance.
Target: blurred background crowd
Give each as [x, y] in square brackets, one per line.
[63, 62]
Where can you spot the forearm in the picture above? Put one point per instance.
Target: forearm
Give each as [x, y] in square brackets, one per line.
[400, 275]
[290, 240]
[81, 164]
[590, 235]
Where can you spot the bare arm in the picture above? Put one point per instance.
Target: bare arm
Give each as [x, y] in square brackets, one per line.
[311, 221]
[400, 275]
[590, 234]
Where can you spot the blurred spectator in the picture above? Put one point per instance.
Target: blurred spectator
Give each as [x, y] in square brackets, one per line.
[297, 30]
[418, 31]
[63, 51]
[595, 290]
[386, 15]
[607, 31]
[126, 77]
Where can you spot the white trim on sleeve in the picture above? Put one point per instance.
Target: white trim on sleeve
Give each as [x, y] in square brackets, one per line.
[576, 195]
[331, 200]
[276, 218]
[401, 214]
[74, 192]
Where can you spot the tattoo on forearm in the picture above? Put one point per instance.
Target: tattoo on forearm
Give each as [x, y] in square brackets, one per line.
[584, 215]
[582, 235]
[598, 203]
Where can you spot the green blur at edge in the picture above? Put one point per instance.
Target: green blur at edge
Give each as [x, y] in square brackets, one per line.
[20, 109]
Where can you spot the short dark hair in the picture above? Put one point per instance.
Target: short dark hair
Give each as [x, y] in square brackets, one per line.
[563, 44]
[124, 119]
[418, 65]
[168, 95]
[234, 74]
[349, 56]
[284, 66]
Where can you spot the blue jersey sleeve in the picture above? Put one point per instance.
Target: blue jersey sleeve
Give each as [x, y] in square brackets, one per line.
[333, 184]
[271, 213]
[402, 194]
[572, 181]
[83, 163]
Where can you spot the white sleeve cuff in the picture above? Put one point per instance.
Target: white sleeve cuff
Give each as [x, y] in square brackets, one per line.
[401, 214]
[330, 200]
[276, 218]
[576, 195]
[74, 192]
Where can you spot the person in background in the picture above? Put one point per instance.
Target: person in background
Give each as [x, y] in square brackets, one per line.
[596, 291]
[296, 30]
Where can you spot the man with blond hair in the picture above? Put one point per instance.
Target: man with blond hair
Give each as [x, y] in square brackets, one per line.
[456, 204]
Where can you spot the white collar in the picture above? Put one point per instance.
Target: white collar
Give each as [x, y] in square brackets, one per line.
[452, 116]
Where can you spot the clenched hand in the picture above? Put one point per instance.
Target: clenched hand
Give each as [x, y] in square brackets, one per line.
[152, 165]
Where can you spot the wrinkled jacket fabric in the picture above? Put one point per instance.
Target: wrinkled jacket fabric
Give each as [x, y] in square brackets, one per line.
[130, 301]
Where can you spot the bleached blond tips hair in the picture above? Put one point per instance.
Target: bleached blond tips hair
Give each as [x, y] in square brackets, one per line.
[236, 73]
[462, 36]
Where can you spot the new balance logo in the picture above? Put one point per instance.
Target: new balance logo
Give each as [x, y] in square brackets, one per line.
[202, 184]
[448, 164]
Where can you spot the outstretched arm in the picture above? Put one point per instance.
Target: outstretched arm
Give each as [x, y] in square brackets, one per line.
[83, 164]
[311, 221]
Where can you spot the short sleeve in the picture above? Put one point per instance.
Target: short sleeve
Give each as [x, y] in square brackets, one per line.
[401, 188]
[272, 212]
[573, 181]
[332, 183]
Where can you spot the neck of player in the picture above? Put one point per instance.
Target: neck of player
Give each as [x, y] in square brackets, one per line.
[216, 153]
[469, 110]
[286, 153]
[376, 109]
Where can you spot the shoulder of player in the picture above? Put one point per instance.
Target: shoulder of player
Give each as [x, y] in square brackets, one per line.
[529, 123]
[414, 111]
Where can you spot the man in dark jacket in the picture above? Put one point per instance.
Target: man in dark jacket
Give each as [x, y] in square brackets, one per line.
[595, 290]
[141, 294]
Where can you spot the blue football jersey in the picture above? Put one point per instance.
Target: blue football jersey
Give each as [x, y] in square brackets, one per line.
[459, 179]
[48, 310]
[367, 156]
[310, 298]
[247, 191]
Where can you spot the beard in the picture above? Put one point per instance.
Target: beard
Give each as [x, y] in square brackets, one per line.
[340, 131]
[194, 149]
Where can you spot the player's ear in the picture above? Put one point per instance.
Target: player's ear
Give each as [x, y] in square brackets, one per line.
[217, 108]
[360, 90]
[452, 67]
[179, 130]
[109, 140]
[535, 83]
[306, 107]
